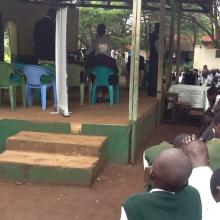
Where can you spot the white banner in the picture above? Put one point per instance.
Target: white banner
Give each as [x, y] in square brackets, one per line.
[61, 62]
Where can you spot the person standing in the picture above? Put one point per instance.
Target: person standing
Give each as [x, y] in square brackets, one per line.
[44, 37]
[153, 60]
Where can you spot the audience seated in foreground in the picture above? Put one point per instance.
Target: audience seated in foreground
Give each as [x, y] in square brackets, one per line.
[170, 198]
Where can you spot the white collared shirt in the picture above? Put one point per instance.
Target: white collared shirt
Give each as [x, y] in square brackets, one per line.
[200, 179]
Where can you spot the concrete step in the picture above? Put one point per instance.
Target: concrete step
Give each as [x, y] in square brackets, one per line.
[40, 167]
[66, 144]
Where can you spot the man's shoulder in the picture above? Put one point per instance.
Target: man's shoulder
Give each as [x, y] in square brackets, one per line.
[138, 197]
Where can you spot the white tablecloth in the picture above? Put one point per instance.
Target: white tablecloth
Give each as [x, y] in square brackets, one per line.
[196, 95]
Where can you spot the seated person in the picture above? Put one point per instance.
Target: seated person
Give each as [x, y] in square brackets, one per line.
[197, 152]
[170, 198]
[99, 54]
[142, 71]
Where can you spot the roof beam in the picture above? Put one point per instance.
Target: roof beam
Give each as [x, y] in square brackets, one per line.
[108, 5]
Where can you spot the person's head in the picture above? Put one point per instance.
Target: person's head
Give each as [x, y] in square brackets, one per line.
[215, 185]
[157, 28]
[205, 67]
[51, 13]
[197, 152]
[178, 141]
[170, 170]
[100, 29]
[217, 124]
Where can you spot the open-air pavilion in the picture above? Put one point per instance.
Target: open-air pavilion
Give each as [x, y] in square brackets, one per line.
[126, 125]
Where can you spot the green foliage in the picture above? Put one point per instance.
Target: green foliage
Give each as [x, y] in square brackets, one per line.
[115, 21]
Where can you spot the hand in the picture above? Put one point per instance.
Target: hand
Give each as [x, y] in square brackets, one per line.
[189, 139]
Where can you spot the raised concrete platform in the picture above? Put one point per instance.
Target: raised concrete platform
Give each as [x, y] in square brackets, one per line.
[38, 157]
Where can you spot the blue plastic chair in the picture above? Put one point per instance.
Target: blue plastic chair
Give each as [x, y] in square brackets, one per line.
[102, 75]
[39, 77]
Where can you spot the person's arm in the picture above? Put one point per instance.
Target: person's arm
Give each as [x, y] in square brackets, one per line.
[123, 214]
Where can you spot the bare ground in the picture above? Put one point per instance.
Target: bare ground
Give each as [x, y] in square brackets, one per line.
[100, 202]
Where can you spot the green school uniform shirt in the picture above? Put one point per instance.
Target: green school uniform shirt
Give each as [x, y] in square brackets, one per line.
[162, 205]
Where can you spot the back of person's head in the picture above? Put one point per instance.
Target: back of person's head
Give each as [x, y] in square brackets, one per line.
[197, 152]
[51, 13]
[178, 141]
[215, 185]
[100, 29]
[170, 170]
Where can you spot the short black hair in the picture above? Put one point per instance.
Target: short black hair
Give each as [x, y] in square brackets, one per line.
[215, 181]
[217, 118]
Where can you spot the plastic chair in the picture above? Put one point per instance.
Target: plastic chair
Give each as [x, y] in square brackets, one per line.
[34, 75]
[50, 67]
[76, 76]
[7, 81]
[102, 75]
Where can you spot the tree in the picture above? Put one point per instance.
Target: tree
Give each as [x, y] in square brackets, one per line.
[207, 23]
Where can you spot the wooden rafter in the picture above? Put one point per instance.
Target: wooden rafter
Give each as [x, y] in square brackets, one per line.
[203, 6]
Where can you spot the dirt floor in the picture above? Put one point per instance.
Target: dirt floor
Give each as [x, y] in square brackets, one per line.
[100, 202]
